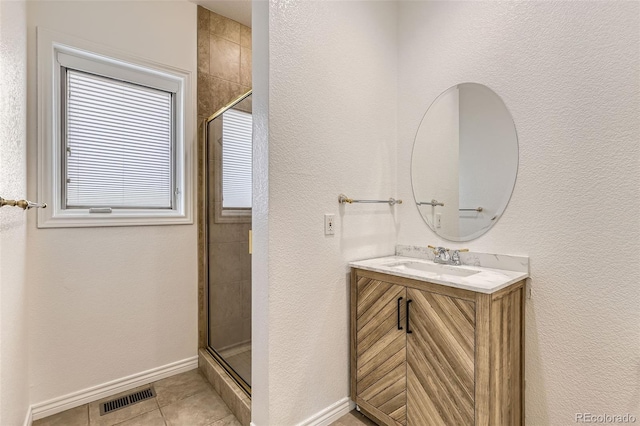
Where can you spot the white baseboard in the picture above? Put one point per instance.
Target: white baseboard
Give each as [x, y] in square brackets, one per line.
[29, 419]
[75, 399]
[330, 414]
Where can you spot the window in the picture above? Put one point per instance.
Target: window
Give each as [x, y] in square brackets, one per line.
[118, 144]
[112, 139]
[236, 159]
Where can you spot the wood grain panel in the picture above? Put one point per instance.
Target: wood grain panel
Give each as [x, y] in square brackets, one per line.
[419, 285]
[380, 349]
[483, 365]
[366, 379]
[353, 315]
[440, 360]
[462, 364]
[506, 358]
[376, 415]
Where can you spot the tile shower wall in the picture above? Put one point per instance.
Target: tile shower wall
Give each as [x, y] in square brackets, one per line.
[224, 73]
[224, 61]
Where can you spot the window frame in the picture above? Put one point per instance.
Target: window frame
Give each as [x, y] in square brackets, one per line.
[58, 51]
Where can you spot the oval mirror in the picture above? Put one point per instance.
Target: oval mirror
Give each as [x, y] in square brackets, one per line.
[464, 162]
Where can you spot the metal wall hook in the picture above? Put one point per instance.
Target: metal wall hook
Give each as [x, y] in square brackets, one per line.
[23, 204]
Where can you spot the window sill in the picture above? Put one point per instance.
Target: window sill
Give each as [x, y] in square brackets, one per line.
[84, 219]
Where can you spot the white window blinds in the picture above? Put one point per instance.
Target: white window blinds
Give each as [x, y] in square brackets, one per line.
[119, 144]
[236, 159]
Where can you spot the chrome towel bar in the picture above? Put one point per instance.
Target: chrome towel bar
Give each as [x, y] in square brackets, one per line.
[430, 203]
[342, 199]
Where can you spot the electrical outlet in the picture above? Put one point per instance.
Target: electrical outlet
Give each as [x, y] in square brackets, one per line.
[329, 224]
[438, 220]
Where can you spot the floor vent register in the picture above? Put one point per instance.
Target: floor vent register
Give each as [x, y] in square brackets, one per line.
[127, 400]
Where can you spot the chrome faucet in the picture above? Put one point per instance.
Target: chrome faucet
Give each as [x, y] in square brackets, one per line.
[443, 256]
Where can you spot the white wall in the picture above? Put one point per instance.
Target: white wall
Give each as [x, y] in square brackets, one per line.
[14, 395]
[569, 73]
[331, 111]
[105, 303]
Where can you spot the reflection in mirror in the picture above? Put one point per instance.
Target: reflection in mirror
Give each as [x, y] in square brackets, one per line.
[229, 140]
[464, 162]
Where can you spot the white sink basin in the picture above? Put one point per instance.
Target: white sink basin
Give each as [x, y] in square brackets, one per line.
[435, 268]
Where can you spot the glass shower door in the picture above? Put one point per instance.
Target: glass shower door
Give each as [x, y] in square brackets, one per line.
[228, 180]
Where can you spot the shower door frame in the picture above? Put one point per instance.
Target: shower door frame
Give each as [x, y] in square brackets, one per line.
[207, 212]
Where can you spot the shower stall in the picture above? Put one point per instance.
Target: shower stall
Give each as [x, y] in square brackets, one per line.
[228, 136]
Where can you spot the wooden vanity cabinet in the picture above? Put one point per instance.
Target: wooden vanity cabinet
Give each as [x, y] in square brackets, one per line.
[458, 360]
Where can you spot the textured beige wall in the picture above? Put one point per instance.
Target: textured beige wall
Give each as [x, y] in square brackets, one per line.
[331, 108]
[14, 390]
[224, 73]
[87, 287]
[569, 74]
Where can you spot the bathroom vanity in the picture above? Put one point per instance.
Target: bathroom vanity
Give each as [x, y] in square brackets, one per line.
[437, 337]
[437, 344]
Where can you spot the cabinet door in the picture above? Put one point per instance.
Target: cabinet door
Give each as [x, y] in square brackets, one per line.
[381, 348]
[440, 359]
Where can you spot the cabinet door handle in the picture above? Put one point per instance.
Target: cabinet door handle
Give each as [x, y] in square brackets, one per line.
[399, 300]
[408, 330]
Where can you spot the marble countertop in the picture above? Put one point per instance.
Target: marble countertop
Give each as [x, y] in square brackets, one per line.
[482, 280]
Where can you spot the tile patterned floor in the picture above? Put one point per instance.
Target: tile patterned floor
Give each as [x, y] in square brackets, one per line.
[186, 399]
[354, 418]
